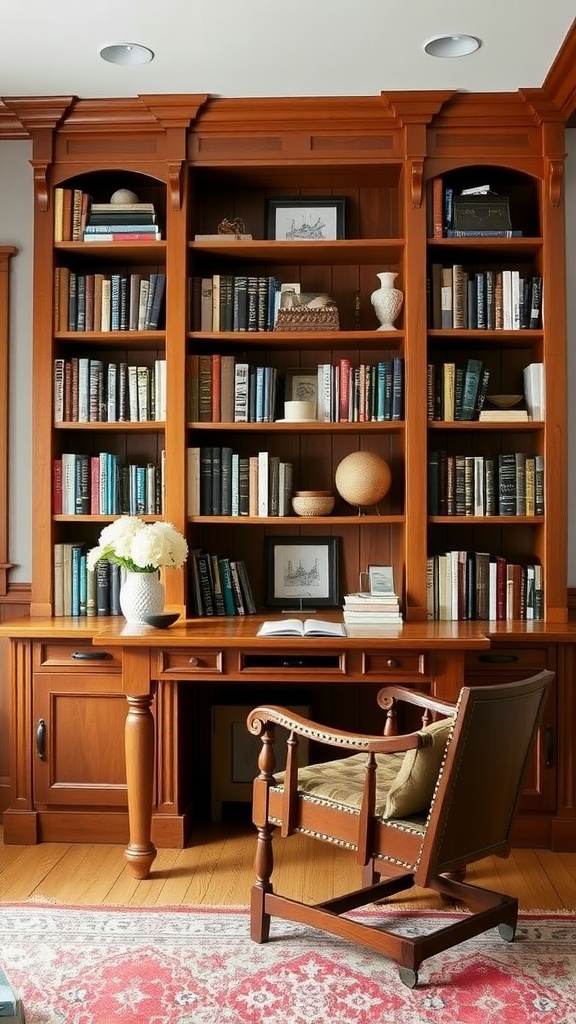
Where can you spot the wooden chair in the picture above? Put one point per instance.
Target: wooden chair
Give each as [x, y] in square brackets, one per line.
[416, 809]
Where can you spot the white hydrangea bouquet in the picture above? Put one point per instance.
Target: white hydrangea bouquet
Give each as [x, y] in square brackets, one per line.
[139, 546]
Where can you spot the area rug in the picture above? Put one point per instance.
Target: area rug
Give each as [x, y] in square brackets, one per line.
[75, 965]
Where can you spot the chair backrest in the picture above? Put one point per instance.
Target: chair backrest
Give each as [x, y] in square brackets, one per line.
[481, 780]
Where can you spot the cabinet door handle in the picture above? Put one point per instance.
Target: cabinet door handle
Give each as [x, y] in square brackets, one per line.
[91, 655]
[41, 739]
[498, 659]
[548, 746]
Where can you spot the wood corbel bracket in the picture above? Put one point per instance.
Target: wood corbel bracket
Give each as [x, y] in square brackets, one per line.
[175, 182]
[41, 192]
[555, 181]
[416, 182]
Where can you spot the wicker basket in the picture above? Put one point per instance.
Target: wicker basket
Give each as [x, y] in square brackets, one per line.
[304, 318]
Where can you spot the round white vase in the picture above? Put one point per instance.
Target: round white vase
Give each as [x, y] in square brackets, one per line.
[387, 300]
[141, 594]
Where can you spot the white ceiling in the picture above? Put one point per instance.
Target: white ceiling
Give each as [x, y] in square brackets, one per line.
[275, 47]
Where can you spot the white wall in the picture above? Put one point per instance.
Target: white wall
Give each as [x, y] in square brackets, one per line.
[16, 220]
[16, 228]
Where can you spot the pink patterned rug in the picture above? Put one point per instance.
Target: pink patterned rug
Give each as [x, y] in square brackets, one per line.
[74, 965]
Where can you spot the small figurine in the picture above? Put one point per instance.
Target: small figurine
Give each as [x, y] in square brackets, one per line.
[232, 227]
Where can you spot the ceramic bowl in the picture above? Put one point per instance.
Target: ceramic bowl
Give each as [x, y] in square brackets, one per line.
[161, 620]
[313, 503]
[504, 401]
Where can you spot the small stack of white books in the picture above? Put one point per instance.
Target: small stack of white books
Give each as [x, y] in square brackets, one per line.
[372, 609]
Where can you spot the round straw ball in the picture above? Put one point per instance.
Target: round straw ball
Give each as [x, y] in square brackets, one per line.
[123, 195]
[363, 478]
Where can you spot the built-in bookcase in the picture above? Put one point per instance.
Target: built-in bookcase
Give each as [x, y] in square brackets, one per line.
[200, 161]
[474, 326]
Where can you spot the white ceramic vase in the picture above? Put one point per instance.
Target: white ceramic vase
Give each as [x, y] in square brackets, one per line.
[141, 594]
[387, 300]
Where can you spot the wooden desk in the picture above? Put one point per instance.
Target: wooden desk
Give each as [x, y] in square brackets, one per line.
[210, 649]
[143, 664]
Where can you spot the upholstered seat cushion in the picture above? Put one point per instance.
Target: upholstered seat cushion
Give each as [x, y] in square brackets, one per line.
[404, 782]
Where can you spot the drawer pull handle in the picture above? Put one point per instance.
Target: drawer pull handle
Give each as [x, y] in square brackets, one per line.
[91, 655]
[498, 659]
[392, 663]
[41, 739]
[293, 663]
[194, 662]
[549, 746]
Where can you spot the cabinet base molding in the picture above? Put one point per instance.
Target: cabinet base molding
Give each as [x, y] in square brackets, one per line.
[21, 828]
[171, 831]
[28, 828]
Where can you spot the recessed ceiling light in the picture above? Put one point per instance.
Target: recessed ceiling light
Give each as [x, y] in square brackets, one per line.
[451, 46]
[127, 54]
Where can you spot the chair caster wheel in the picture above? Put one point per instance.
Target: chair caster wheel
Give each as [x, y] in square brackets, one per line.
[408, 977]
[507, 932]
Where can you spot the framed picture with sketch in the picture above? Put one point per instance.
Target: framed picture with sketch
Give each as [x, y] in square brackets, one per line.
[301, 572]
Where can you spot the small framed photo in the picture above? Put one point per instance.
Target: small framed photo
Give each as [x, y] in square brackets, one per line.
[306, 218]
[381, 579]
[301, 385]
[301, 572]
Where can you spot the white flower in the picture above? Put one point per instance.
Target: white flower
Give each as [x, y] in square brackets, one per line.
[139, 546]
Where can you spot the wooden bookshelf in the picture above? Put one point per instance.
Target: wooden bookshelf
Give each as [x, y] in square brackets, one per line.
[200, 160]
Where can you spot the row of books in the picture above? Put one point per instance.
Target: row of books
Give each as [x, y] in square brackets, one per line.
[512, 484]
[456, 391]
[224, 389]
[226, 302]
[370, 392]
[79, 591]
[91, 391]
[477, 585]
[220, 482]
[475, 298]
[107, 302]
[103, 485]
[220, 585]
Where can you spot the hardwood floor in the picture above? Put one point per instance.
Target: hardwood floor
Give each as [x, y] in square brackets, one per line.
[216, 868]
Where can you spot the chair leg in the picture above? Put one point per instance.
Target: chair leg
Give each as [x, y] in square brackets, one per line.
[368, 874]
[263, 867]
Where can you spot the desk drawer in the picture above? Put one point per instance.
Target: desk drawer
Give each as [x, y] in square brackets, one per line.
[75, 656]
[517, 662]
[395, 666]
[189, 662]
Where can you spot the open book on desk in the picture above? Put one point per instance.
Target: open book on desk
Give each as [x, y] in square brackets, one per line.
[297, 627]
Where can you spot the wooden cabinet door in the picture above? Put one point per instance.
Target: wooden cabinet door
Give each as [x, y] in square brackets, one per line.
[507, 664]
[78, 743]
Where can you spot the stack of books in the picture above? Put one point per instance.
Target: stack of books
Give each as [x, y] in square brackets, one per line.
[121, 222]
[366, 609]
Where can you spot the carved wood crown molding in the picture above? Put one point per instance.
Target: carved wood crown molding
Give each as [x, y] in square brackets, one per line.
[23, 117]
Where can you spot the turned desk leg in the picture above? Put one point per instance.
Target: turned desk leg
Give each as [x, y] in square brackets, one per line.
[139, 739]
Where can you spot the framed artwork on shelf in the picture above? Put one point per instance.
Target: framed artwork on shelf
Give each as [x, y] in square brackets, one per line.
[306, 218]
[301, 572]
[301, 385]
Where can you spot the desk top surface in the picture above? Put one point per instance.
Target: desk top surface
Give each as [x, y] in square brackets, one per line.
[230, 632]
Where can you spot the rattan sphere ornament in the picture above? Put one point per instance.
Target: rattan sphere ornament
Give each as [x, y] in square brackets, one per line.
[123, 195]
[363, 478]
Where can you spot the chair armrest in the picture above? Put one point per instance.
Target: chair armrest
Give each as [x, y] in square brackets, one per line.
[353, 742]
[388, 694]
